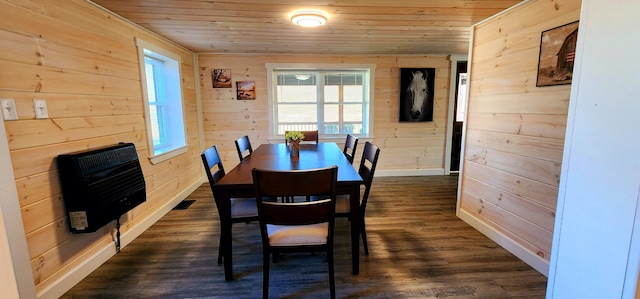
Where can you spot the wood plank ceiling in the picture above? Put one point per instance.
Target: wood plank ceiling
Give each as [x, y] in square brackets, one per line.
[354, 27]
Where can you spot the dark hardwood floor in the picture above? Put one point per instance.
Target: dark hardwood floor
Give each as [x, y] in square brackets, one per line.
[418, 249]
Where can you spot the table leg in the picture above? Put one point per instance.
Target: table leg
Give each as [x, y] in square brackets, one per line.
[227, 251]
[225, 230]
[354, 200]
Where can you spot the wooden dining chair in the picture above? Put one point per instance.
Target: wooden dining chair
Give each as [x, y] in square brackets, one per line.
[296, 227]
[350, 145]
[241, 209]
[243, 145]
[367, 169]
[309, 136]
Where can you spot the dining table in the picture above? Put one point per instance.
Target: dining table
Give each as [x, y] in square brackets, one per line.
[239, 183]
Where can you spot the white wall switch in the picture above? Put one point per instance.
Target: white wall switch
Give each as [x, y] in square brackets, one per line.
[9, 111]
[40, 107]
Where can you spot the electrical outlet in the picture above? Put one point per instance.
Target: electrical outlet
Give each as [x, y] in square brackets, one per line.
[9, 111]
[40, 107]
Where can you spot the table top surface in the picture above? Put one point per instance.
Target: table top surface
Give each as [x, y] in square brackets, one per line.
[276, 157]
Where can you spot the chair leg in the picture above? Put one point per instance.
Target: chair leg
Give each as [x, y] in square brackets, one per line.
[220, 250]
[332, 279]
[265, 274]
[363, 230]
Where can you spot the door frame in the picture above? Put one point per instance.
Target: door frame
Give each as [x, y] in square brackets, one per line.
[454, 58]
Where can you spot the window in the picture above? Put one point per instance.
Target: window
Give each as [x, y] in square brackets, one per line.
[462, 97]
[164, 119]
[335, 100]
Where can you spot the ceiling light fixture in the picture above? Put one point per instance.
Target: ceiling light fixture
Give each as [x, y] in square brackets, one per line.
[308, 18]
[303, 77]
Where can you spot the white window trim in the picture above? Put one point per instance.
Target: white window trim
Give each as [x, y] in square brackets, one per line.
[157, 158]
[317, 66]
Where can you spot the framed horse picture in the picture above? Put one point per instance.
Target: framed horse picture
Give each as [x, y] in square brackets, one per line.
[416, 94]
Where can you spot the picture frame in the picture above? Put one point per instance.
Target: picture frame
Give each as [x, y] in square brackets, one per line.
[416, 94]
[246, 90]
[557, 55]
[221, 78]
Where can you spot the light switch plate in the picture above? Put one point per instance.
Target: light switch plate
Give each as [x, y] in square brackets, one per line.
[40, 107]
[9, 111]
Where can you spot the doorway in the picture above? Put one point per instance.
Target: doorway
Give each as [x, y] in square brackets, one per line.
[459, 110]
[456, 115]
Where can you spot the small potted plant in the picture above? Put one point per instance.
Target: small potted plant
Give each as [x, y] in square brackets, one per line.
[293, 138]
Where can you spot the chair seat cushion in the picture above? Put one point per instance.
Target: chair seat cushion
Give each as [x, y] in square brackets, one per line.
[243, 207]
[285, 235]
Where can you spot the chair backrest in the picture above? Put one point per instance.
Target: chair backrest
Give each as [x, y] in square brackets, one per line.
[350, 145]
[367, 169]
[309, 136]
[273, 183]
[213, 167]
[243, 145]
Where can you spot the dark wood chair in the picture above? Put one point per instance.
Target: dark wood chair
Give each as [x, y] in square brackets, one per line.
[350, 145]
[241, 209]
[309, 136]
[296, 227]
[366, 171]
[243, 145]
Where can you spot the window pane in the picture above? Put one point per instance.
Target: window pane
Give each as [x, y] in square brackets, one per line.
[298, 113]
[155, 125]
[352, 129]
[331, 113]
[353, 93]
[331, 94]
[331, 128]
[296, 78]
[353, 113]
[151, 86]
[297, 94]
[343, 78]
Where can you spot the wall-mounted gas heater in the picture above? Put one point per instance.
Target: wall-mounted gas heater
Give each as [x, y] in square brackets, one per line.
[100, 185]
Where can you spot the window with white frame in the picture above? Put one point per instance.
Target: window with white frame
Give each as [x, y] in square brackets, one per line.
[164, 118]
[335, 100]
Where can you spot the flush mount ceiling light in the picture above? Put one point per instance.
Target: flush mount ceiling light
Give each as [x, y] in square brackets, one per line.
[308, 18]
[303, 77]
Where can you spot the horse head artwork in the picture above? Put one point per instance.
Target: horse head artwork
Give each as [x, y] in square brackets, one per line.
[417, 102]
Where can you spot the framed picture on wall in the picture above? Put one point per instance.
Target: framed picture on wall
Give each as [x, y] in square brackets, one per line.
[221, 78]
[246, 90]
[557, 55]
[416, 94]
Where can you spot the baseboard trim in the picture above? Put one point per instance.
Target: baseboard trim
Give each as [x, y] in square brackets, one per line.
[410, 172]
[522, 253]
[78, 272]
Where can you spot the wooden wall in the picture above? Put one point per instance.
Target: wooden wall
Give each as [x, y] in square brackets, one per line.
[514, 132]
[407, 148]
[83, 62]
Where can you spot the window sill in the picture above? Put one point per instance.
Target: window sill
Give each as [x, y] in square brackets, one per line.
[168, 155]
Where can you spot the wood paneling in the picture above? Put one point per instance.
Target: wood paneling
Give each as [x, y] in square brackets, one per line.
[515, 130]
[355, 27]
[84, 63]
[412, 146]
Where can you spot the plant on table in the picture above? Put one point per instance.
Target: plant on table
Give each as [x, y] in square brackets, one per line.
[295, 136]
